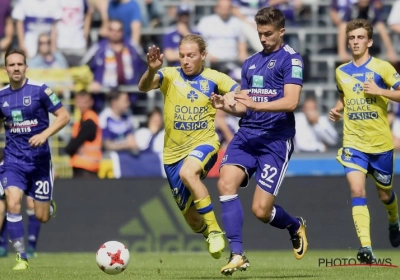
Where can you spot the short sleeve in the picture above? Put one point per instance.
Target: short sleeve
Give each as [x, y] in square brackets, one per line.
[8, 10]
[57, 13]
[293, 70]
[346, 14]
[168, 41]
[164, 76]
[49, 99]
[394, 14]
[136, 14]
[129, 127]
[18, 11]
[225, 83]
[338, 85]
[391, 77]
[244, 83]
[202, 27]
[334, 5]
[236, 3]
[106, 133]
[378, 15]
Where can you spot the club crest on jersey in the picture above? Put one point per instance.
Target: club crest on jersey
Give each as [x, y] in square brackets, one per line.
[396, 76]
[258, 81]
[27, 100]
[271, 64]
[369, 76]
[204, 87]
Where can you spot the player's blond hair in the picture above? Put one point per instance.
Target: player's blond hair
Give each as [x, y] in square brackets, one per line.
[360, 23]
[193, 38]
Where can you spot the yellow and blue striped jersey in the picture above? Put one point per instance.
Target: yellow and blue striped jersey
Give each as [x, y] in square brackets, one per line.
[188, 113]
[365, 122]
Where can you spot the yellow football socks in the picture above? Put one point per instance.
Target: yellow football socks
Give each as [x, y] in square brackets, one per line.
[205, 208]
[392, 209]
[362, 222]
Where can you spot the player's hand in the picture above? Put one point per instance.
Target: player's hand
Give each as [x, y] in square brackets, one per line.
[229, 98]
[154, 58]
[334, 115]
[247, 101]
[217, 101]
[372, 88]
[37, 140]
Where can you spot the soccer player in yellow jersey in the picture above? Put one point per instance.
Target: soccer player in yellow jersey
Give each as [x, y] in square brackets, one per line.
[191, 143]
[364, 85]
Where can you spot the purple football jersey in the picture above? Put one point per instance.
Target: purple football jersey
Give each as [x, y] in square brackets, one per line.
[264, 76]
[25, 113]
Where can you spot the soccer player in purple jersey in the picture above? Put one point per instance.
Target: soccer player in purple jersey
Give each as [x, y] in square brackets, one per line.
[270, 91]
[24, 110]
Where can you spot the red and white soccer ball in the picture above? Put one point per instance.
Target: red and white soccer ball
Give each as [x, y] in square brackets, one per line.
[112, 257]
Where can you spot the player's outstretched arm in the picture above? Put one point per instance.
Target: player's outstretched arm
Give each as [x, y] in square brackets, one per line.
[62, 119]
[150, 78]
[227, 104]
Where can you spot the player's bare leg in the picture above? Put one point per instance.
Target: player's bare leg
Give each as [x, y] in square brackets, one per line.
[361, 216]
[43, 210]
[3, 230]
[389, 199]
[265, 209]
[190, 174]
[15, 226]
[232, 216]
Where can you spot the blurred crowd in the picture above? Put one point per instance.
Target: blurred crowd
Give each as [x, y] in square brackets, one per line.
[92, 53]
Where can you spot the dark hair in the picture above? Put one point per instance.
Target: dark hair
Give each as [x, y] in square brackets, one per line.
[360, 23]
[270, 16]
[156, 110]
[114, 95]
[13, 51]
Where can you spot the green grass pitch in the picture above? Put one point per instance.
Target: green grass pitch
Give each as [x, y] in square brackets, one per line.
[263, 265]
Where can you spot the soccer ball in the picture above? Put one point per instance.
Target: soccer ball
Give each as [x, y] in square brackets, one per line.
[112, 257]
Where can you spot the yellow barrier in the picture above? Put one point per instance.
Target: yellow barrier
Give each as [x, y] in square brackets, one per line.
[74, 78]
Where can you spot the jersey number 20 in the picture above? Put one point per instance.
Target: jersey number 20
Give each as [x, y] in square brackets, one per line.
[43, 187]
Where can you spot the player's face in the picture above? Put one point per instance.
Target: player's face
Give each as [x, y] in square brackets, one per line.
[83, 103]
[156, 120]
[115, 31]
[359, 42]
[191, 58]
[15, 68]
[270, 37]
[44, 45]
[123, 103]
